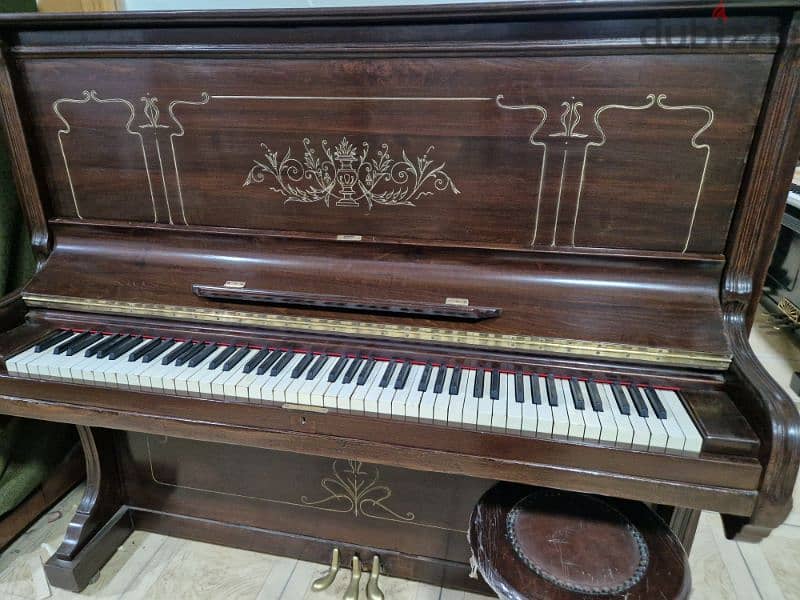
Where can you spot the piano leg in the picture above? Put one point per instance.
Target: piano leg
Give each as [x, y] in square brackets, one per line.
[100, 524]
[683, 523]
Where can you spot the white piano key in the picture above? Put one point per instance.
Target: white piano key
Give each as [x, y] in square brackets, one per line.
[415, 397]
[292, 393]
[124, 365]
[693, 440]
[530, 413]
[676, 440]
[485, 403]
[514, 414]
[469, 412]
[623, 422]
[201, 373]
[369, 389]
[641, 431]
[560, 415]
[544, 412]
[441, 404]
[305, 395]
[594, 428]
[455, 411]
[608, 424]
[330, 390]
[275, 386]
[237, 374]
[345, 394]
[658, 434]
[402, 395]
[15, 365]
[386, 394]
[500, 406]
[428, 400]
[577, 426]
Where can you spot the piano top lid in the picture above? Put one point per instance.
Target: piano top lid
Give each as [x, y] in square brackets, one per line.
[448, 12]
[584, 201]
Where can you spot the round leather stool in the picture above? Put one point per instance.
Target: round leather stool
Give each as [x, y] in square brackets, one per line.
[540, 543]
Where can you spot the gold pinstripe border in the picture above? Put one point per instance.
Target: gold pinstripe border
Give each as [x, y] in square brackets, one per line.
[517, 343]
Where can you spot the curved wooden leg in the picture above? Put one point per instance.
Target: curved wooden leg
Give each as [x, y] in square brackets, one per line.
[101, 522]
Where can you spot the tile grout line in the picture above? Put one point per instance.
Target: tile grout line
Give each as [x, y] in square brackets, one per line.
[142, 569]
[288, 579]
[749, 570]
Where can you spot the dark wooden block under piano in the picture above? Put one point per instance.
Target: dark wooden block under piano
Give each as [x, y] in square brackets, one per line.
[317, 280]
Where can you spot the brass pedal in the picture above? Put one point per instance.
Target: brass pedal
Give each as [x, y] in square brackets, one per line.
[355, 581]
[373, 590]
[324, 582]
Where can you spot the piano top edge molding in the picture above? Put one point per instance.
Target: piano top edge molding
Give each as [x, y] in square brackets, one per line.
[65, 224]
[361, 14]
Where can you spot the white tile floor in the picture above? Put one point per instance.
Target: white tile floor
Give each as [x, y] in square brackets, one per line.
[153, 567]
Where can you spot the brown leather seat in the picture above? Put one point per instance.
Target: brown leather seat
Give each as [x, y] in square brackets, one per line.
[541, 543]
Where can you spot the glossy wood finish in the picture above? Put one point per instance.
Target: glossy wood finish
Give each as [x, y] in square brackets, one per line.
[585, 185]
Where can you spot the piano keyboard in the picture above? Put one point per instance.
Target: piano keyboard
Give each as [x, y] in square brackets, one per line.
[521, 403]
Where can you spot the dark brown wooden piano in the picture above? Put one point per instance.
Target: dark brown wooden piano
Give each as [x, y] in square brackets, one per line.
[319, 279]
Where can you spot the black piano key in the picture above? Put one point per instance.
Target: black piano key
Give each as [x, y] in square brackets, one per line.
[337, 369]
[494, 386]
[142, 350]
[284, 360]
[51, 340]
[107, 350]
[438, 384]
[251, 364]
[204, 353]
[655, 402]
[92, 339]
[124, 347]
[236, 358]
[158, 350]
[162, 347]
[365, 372]
[387, 374]
[316, 367]
[402, 376]
[519, 388]
[638, 401]
[175, 353]
[185, 358]
[220, 358]
[536, 392]
[622, 401]
[107, 341]
[270, 360]
[577, 394]
[594, 396]
[552, 395]
[300, 367]
[64, 346]
[477, 387]
[352, 370]
[425, 380]
[455, 381]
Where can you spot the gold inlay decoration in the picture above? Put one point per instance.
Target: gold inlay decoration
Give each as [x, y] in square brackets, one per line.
[354, 490]
[788, 308]
[494, 341]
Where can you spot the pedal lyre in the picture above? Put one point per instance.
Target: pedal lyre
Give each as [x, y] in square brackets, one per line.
[355, 581]
[324, 582]
[373, 590]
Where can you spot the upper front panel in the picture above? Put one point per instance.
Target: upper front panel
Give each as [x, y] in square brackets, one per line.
[610, 152]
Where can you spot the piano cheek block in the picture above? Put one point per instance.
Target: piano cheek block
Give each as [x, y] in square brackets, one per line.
[327, 298]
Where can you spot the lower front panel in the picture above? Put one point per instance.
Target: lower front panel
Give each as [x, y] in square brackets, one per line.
[414, 513]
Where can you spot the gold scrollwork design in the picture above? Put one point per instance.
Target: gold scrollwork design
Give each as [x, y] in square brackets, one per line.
[354, 490]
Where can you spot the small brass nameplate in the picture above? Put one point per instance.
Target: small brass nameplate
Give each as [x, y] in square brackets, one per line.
[457, 301]
[235, 284]
[348, 238]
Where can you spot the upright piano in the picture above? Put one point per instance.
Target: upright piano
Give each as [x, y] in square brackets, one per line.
[318, 279]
